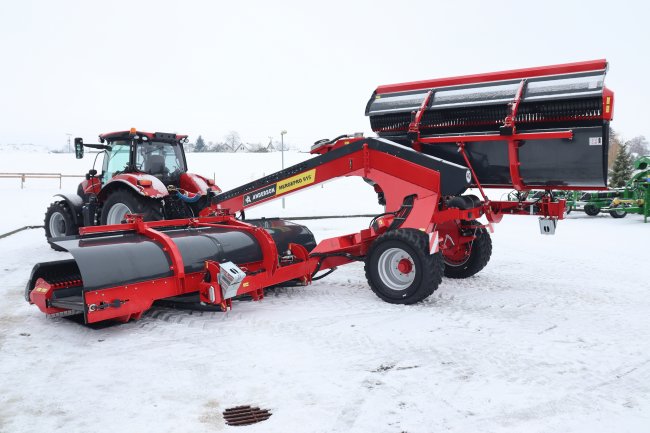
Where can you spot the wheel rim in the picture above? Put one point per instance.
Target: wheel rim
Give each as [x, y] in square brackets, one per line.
[117, 213]
[57, 225]
[458, 257]
[396, 268]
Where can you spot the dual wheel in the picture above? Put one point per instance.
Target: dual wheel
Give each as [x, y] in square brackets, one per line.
[400, 269]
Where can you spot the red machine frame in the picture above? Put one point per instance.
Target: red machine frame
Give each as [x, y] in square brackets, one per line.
[397, 178]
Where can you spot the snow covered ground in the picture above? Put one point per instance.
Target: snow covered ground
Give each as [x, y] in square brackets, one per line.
[553, 336]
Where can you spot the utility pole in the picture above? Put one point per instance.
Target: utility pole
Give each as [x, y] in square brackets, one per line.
[284, 131]
[69, 135]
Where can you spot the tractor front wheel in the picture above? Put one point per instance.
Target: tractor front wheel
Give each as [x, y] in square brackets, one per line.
[469, 259]
[400, 269]
[123, 202]
[59, 222]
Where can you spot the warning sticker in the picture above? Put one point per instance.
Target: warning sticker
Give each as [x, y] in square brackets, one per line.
[297, 181]
[595, 141]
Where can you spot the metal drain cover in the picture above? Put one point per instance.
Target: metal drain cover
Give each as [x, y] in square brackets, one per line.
[245, 415]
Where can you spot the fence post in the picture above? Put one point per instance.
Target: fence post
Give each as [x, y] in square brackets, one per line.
[60, 177]
[22, 180]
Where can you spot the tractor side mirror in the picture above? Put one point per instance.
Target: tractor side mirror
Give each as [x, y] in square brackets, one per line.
[79, 147]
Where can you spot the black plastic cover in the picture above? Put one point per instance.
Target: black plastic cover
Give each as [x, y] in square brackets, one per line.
[285, 232]
[126, 258]
[115, 260]
[580, 162]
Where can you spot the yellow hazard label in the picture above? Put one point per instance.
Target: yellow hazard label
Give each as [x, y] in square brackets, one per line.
[295, 182]
[245, 284]
[41, 290]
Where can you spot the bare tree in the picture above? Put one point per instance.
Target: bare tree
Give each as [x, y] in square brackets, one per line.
[233, 141]
[257, 147]
[270, 147]
[220, 147]
[638, 146]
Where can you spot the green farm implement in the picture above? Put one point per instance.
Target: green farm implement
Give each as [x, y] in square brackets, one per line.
[633, 198]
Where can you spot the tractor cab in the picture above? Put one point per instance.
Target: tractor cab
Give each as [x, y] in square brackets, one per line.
[160, 155]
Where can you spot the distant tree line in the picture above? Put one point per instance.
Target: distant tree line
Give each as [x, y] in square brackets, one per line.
[232, 142]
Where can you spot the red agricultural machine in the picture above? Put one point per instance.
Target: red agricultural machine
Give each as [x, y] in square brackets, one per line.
[142, 173]
[532, 128]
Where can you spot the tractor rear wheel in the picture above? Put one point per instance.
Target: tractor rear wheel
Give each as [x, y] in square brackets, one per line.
[591, 209]
[472, 258]
[59, 222]
[400, 269]
[123, 202]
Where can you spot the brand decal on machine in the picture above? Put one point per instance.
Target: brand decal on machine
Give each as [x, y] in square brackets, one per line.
[289, 184]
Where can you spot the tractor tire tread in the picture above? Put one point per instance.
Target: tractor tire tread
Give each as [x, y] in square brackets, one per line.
[150, 208]
[64, 209]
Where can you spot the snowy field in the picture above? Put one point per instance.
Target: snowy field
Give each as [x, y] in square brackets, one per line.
[553, 336]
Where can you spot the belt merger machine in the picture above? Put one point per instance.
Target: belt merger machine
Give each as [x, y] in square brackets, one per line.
[538, 128]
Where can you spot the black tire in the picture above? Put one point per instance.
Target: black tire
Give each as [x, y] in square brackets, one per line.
[59, 222]
[569, 209]
[149, 208]
[618, 213]
[479, 256]
[427, 268]
[591, 209]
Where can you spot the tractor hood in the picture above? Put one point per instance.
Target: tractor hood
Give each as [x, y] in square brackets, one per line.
[142, 183]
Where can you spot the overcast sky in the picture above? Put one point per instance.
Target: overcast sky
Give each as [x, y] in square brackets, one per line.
[258, 67]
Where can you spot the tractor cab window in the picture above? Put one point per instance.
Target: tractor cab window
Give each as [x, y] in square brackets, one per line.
[117, 160]
[163, 160]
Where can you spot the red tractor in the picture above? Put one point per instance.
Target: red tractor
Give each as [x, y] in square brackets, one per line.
[142, 173]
